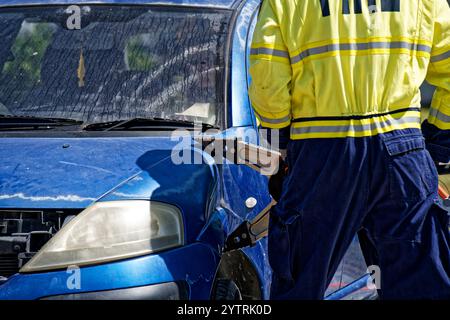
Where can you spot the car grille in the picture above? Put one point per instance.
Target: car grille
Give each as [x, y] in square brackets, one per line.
[24, 232]
[9, 264]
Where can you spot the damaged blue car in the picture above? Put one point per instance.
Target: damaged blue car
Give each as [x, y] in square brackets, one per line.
[93, 204]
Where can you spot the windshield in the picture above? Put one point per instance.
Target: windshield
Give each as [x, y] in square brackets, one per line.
[120, 63]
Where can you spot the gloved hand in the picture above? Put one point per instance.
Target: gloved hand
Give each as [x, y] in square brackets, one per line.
[276, 181]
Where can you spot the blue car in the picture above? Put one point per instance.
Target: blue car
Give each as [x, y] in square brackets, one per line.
[101, 197]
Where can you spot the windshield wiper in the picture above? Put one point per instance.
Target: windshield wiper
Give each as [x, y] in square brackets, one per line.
[26, 122]
[146, 124]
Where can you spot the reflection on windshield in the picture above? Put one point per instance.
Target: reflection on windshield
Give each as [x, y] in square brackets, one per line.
[124, 63]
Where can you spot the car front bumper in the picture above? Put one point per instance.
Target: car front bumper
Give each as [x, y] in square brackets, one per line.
[161, 291]
[184, 273]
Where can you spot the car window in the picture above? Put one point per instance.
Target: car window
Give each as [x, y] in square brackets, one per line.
[123, 63]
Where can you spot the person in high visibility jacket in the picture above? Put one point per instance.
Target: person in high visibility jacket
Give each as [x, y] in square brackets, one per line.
[342, 79]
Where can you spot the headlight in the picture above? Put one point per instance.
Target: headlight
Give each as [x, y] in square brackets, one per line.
[108, 231]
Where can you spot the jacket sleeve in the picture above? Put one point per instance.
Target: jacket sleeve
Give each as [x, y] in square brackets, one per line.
[437, 128]
[270, 69]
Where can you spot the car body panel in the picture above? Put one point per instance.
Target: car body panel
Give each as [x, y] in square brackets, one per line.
[74, 160]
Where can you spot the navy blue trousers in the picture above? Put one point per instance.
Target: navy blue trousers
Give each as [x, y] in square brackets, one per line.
[383, 188]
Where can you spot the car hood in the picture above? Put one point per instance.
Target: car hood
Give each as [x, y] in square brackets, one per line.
[58, 173]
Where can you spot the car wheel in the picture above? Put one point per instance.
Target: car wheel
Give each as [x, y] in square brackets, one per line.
[227, 290]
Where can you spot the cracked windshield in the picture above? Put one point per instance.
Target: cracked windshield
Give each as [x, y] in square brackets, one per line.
[136, 62]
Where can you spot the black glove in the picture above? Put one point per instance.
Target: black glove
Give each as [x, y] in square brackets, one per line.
[276, 181]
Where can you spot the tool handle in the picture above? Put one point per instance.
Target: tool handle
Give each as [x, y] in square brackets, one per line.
[443, 193]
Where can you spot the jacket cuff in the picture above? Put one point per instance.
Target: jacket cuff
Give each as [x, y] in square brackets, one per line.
[438, 153]
[437, 142]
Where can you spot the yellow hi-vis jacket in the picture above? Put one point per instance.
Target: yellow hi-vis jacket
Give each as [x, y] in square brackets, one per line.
[349, 68]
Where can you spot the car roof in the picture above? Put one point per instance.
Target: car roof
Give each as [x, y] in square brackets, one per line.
[197, 3]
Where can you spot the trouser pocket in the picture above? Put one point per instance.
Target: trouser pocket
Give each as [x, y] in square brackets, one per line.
[412, 174]
[279, 248]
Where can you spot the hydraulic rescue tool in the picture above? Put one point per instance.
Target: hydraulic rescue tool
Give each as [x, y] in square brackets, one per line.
[265, 161]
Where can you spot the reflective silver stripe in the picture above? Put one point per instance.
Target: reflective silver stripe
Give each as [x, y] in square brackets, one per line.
[440, 57]
[439, 115]
[273, 121]
[359, 46]
[355, 128]
[269, 52]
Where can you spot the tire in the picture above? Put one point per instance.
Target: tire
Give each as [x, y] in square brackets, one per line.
[226, 290]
